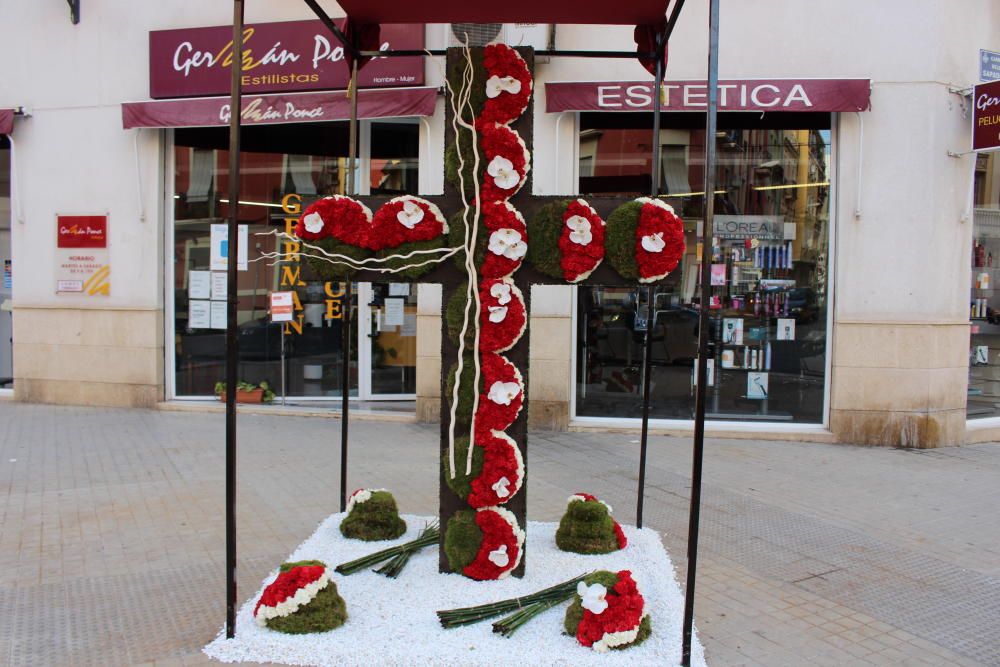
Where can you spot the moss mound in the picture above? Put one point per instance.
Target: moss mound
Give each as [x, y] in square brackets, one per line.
[574, 614]
[462, 540]
[324, 270]
[587, 528]
[417, 271]
[619, 239]
[376, 519]
[326, 611]
[462, 483]
[544, 230]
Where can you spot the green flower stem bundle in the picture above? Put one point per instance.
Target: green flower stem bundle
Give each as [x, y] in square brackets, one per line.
[429, 536]
[508, 626]
[453, 618]
[399, 561]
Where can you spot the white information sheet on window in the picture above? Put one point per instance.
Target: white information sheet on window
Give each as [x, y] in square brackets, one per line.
[199, 284]
[399, 289]
[409, 325]
[220, 285]
[219, 242]
[218, 314]
[199, 314]
[394, 312]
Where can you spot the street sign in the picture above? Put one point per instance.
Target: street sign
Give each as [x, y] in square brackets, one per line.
[989, 65]
[986, 116]
[282, 307]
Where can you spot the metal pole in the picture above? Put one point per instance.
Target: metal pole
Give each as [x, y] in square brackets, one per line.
[345, 375]
[232, 298]
[647, 354]
[703, 328]
[283, 392]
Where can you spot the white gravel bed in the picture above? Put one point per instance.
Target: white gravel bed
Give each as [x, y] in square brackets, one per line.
[393, 621]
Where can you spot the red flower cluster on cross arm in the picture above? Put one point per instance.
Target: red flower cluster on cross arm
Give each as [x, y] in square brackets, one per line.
[502, 61]
[501, 335]
[389, 228]
[491, 416]
[578, 261]
[345, 219]
[501, 458]
[625, 611]
[658, 219]
[497, 532]
[496, 216]
[287, 584]
[501, 141]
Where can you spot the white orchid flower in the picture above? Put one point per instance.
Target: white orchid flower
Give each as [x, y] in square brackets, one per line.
[496, 85]
[580, 227]
[497, 314]
[410, 215]
[501, 292]
[499, 556]
[313, 223]
[502, 393]
[507, 242]
[500, 487]
[593, 597]
[503, 173]
[653, 242]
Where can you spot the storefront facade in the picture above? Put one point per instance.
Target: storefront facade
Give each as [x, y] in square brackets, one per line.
[841, 244]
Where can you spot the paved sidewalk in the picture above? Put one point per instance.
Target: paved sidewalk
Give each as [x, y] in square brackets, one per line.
[112, 532]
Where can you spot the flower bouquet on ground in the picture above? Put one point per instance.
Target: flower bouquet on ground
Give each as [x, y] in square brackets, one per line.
[587, 527]
[608, 612]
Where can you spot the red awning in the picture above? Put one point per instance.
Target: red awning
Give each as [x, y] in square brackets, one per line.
[280, 108]
[632, 12]
[6, 121]
[826, 95]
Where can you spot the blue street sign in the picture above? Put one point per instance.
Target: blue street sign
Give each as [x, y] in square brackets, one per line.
[989, 65]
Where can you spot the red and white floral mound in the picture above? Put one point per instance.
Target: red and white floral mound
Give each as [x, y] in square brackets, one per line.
[508, 88]
[507, 243]
[504, 394]
[507, 162]
[292, 590]
[342, 218]
[588, 498]
[401, 220]
[610, 617]
[502, 474]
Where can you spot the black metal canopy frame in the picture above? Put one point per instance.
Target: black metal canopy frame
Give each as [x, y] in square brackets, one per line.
[661, 40]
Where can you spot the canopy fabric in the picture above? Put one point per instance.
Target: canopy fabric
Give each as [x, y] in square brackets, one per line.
[6, 121]
[633, 12]
[280, 108]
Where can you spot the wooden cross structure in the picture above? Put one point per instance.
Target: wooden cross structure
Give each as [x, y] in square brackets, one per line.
[451, 278]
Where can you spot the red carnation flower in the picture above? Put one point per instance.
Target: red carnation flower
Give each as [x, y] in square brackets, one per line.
[503, 315]
[502, 397]
[502, 473]
[509, 84]
[581, 243]
[406, 219]
[500, 550]
[659, 240]
[505, 161]
[345, 219]
[507, 242]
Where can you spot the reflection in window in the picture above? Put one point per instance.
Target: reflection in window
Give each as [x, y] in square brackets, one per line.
[283, 169]
[984, 304]
[769, 289]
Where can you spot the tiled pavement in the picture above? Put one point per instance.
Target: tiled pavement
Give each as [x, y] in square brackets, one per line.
[112, 542]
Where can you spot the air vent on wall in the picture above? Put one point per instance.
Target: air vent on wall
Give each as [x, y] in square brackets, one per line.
[535, 35]
[475, 34]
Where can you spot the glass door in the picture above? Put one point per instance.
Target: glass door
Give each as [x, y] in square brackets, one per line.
[387, 335]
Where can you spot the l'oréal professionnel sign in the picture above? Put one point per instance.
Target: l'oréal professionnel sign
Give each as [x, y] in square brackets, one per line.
[277, 57]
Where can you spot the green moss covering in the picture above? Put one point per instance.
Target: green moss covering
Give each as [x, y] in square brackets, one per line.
[324, 270]
[456, 238]
[376, 519]
[454, 315]
[544, 230]
[574, 614]
[619, 239]
[406, 248]
[462, 540]
[325, 612]
[587, 528]
[461, 484]
[463, 145]
[465, 398]
[285, 567]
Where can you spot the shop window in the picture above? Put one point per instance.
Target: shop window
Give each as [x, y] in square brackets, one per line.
[283, 169]
[768, 310]
[984, 303]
